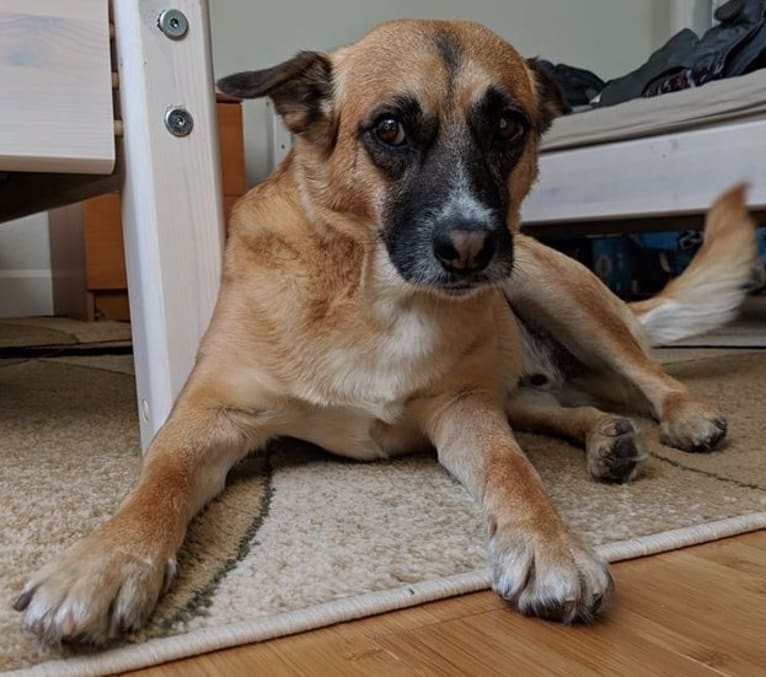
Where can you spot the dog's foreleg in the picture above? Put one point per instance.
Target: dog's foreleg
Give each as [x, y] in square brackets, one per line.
[538, 564]
[569, 302]
[613, 445]
[110, 581]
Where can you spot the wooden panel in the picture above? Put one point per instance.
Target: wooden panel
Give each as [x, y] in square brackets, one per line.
[55, 80]
[111, 305]
[104, 249]
[231, 146]
[228, 204]
[672, 174]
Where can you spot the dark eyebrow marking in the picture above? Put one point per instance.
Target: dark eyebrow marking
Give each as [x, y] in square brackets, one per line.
[484, 115]
[403, 106]
[495, 101]
[451, 53]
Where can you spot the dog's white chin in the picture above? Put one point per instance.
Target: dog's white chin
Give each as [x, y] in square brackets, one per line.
[390, 282]
[457, 293]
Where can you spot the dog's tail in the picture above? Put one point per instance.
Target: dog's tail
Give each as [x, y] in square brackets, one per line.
[712, 288]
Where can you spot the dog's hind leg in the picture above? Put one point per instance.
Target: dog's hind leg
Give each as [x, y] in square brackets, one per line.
[613, 445]
[572, 305]
[110, 581]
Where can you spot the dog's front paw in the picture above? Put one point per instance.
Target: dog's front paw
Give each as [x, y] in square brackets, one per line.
[93, 591]
[614, 451]
[557, 578]
[692, 426]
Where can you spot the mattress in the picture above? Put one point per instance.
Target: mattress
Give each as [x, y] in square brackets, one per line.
[737, 99]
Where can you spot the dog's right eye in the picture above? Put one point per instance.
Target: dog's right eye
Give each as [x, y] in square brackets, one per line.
[510, 127]
[390, 131]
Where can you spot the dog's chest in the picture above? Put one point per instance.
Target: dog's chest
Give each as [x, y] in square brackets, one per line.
[378, 371]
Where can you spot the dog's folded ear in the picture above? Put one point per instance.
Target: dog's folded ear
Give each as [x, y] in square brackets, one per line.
[551, 100]
[300, 88]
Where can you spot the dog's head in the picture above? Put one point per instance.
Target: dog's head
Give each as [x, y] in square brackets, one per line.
[426, 131]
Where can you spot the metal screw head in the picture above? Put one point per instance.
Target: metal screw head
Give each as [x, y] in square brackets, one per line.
[179, 121]
[173, 23]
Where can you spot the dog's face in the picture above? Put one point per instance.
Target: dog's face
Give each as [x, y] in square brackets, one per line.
[425, 131]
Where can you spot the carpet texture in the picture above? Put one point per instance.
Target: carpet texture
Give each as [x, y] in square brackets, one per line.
[300, 539]
[31, 332]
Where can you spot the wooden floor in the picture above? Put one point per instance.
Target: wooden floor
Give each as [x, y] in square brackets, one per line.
[699, 611]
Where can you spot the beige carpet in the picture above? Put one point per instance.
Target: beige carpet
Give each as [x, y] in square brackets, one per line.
[300, 539]
[36, 332]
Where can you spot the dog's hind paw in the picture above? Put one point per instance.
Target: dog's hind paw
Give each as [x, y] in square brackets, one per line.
[614, 451]
[692, 426]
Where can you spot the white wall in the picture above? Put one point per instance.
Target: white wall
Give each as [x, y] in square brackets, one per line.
[25, 267]
[610, 37]
[675, 15]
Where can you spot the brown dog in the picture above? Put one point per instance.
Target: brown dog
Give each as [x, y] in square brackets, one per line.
[363, 309]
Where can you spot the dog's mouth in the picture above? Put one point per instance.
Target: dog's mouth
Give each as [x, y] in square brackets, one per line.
[462, 287]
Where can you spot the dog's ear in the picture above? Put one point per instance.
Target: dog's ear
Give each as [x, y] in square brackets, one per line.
[551, 100]
[300, 88]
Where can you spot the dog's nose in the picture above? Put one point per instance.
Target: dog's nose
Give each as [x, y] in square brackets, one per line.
[464, 250]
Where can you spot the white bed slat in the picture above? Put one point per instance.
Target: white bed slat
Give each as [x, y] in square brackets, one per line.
[670, 174]
[55, 87]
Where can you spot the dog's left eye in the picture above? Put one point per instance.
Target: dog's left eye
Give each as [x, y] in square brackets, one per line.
[510, 126]
[390, 131]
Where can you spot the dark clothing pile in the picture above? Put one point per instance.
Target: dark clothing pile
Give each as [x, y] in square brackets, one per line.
[578, 85]
[734, 46]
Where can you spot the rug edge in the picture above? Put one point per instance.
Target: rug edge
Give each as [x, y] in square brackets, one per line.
[197, 642]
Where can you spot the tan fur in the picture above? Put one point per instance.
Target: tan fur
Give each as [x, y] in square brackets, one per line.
[728, 245]
[316, 336]
[710, 290]
[603, 334]
[606, 335]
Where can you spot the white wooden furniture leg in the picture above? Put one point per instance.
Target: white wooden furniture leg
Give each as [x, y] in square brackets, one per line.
[171, 198]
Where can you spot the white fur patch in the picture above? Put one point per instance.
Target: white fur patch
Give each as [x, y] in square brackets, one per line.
[380, 373]
[462, 203]
[695, 312]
